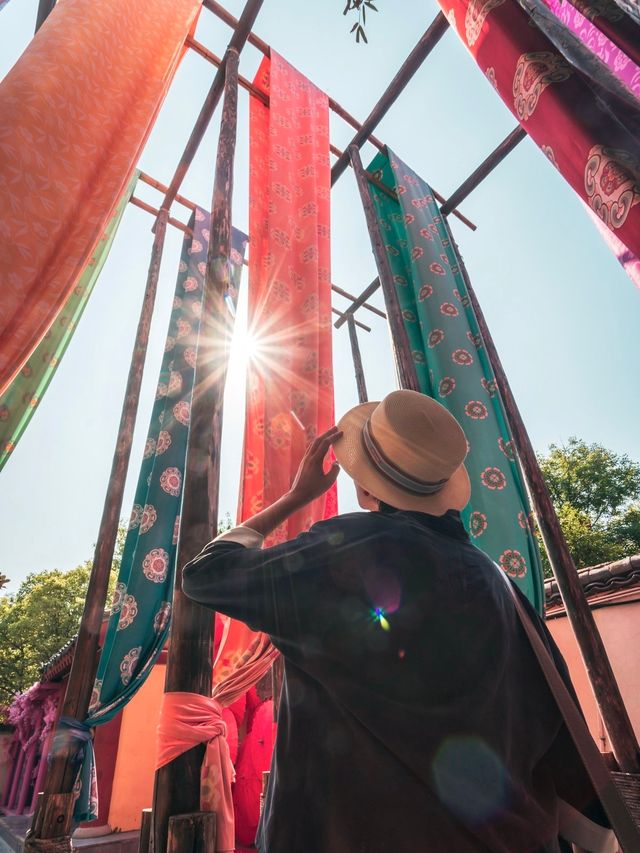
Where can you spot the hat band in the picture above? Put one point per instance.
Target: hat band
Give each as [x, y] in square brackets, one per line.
[382, 463]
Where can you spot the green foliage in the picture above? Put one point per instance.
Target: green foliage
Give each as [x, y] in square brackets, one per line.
[40, 618]
[225, 523]
[360, 7]
[595, 492]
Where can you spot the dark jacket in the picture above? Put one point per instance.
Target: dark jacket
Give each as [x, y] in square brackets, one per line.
[413, 715]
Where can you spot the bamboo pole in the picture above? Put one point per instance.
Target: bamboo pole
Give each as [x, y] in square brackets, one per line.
[62, 769]
[45, 8]
[361, 301]
[601, 676]
[357, 360]
[238, 40]
[149, 208]
[485, 168]
[427, 42]
[340, 314]
[334, 106]
[190, 656]
[405, 367]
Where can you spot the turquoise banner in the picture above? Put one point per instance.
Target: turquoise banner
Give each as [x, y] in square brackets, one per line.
[141, 608]
[453, 368]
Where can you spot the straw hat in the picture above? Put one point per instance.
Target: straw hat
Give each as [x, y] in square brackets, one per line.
[408, 451]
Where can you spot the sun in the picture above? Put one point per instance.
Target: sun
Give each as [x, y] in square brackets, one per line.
[247, 344]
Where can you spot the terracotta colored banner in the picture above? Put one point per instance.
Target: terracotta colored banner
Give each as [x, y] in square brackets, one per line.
[21, 398]
[555, 103]
[290, 377]
[75, 113]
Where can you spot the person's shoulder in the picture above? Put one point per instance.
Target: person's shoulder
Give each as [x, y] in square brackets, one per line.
[352, 524]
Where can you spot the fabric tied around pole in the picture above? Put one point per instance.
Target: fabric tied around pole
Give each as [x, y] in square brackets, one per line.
[189, 719]
[80, 736]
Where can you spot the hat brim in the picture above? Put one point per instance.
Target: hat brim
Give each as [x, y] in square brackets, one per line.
[354, 459]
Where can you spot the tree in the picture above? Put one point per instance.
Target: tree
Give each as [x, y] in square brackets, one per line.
[596, 494]
[40, 618]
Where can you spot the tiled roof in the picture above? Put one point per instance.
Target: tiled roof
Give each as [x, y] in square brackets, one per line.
[59, 663]
[600, 582]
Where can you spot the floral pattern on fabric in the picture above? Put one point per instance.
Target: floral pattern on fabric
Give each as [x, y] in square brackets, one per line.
[290, 381]
[140, 613]
[560, 92]
[605, 29]
[458, 376]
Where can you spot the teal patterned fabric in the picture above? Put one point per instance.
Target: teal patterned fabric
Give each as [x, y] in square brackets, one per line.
[453, 368]
[141, 608]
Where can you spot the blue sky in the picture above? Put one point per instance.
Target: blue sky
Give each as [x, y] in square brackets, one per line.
[563, 314]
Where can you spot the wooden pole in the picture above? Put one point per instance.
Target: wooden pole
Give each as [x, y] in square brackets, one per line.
[62, 769]
[144, 842]
[334, 106]
[402, 351]
[361, 301]
[238, 40]
[190, 656]
[192, 833]
[149, 208]
[358, 323]
[45, 7]
[594, 654]
[357, 359]
[488, 165]
[429, 40]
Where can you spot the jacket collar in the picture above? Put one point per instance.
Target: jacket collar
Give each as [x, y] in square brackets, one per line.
[449, 524]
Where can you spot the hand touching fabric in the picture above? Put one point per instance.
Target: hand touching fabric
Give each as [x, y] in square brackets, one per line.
[310, 482]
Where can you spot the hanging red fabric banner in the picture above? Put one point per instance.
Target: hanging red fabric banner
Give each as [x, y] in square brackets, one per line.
[75, 113]
[290, 372]
[558, 108]
[290, 376]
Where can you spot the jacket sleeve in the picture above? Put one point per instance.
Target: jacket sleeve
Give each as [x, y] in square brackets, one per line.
[273, 589]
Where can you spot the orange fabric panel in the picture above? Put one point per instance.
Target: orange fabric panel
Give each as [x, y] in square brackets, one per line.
[75, 113]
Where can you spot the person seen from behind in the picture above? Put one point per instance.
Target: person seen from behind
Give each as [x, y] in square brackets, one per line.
[413, 717]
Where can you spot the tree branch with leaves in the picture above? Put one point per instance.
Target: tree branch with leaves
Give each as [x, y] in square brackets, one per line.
[360, 8]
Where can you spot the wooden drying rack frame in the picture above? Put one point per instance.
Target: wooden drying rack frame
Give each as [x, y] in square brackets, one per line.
[177, 823]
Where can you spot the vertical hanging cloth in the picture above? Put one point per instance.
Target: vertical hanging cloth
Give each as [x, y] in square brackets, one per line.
[453, 368]
[290, 378]
[75, 112]
[290, 374]
[556, 103]
[141, 608]
[607, 30]
[19, 401]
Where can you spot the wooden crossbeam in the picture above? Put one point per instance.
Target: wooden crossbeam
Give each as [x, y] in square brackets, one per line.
[407, 70]
[237, 42]
[485, 168]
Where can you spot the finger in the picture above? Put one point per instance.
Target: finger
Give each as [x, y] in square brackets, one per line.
[332, 475]
[327, 438]
[326, 442]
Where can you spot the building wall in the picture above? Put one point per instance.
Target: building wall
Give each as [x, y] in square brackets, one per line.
[619, 626]
[134, 767]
